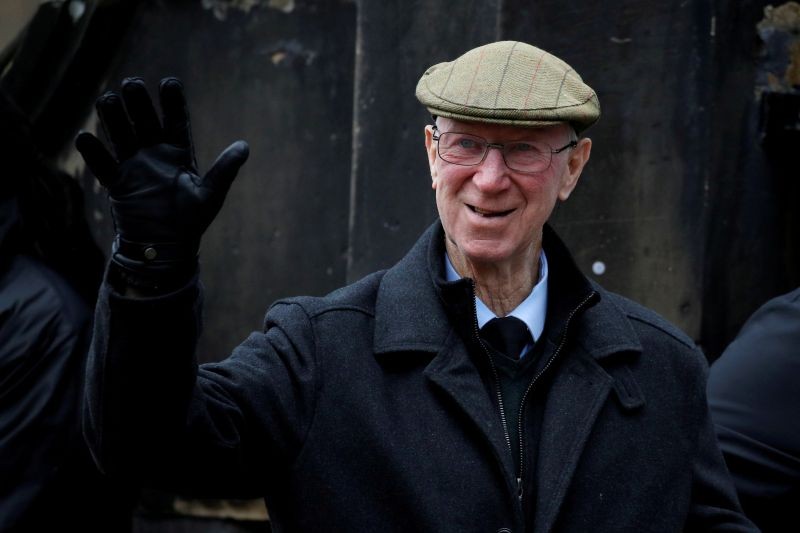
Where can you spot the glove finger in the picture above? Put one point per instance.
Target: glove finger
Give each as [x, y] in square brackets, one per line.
[140, 108]
[177, 130]
[227, 165]
[117, 127]
[97, 158]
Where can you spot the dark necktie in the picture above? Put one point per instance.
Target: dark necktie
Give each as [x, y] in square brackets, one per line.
[507, 335]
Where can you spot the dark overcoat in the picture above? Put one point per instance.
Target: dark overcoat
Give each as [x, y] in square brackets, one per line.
[373, 409]
[754, 396]
[47, 479]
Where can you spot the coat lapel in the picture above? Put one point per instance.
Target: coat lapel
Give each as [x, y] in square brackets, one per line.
[410, 315]
[576, 397]
[453, 371]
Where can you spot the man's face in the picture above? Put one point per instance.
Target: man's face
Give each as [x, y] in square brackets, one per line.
[490, 213]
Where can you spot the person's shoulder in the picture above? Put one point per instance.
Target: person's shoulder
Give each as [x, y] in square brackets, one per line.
[792, 297]
[667, 358]
[357, 297]
[648, 324]
[42, 321]
[36, 294]
[770, 334]
[783, 307]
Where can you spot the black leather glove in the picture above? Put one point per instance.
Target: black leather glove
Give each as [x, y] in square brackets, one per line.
[159, 203]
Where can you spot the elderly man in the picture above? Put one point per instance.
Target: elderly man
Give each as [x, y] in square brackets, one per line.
[481, 384]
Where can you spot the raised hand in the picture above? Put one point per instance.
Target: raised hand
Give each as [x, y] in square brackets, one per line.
[160, 204]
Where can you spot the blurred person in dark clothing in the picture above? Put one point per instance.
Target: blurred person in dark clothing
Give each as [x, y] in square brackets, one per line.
[49, 272]
[754, 395]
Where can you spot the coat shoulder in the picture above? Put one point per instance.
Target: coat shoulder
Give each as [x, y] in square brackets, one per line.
[357, 297]
[668, 358]
[37, 297]
[647, 322]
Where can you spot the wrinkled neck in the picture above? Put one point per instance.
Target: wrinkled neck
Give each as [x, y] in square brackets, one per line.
[501, 285]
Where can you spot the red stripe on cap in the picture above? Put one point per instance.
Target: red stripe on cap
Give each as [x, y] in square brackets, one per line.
[535, 72]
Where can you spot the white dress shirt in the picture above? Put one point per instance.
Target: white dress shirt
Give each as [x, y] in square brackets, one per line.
[531, 310]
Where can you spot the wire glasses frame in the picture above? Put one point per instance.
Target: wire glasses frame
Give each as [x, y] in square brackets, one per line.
[528, 157]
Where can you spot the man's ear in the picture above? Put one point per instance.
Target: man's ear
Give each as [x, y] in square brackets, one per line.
[578, 158]
[430, 148]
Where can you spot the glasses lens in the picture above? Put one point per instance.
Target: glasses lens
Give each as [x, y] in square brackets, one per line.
[527, 156]
[461, 148]
[466, 149]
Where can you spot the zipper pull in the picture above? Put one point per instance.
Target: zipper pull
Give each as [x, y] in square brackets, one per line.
[519, 488]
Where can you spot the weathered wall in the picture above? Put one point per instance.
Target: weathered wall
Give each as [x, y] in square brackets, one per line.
[751, 246]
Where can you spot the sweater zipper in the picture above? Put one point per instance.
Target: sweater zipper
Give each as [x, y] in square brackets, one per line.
[499, 393]
[533, 382]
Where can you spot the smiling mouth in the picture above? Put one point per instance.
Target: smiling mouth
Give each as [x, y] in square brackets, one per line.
[488, 214]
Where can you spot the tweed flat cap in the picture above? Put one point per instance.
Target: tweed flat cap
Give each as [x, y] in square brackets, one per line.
[509, 82]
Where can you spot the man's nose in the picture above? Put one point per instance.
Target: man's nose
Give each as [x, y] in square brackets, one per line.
[492, 173]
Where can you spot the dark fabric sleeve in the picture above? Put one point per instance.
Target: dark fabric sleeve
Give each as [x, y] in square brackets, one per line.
[47, 479]
[754, 394]
[41, 351]
[715, 506]
[221, 430]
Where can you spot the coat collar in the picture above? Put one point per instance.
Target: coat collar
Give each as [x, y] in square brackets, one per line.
[408, 312]
[416, 306]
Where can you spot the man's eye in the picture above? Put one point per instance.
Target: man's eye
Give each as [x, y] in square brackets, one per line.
[468, 144]
[523, 147]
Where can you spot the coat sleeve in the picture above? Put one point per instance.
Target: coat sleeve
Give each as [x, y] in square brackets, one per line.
[754, 399]
[44, 331]
[715, 506]
[219, 430]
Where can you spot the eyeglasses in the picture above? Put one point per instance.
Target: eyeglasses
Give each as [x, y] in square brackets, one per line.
[529, 157]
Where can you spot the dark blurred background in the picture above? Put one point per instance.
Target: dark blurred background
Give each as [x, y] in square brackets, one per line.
[687, 206]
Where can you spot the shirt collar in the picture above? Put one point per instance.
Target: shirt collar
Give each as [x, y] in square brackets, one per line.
[531, 310]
